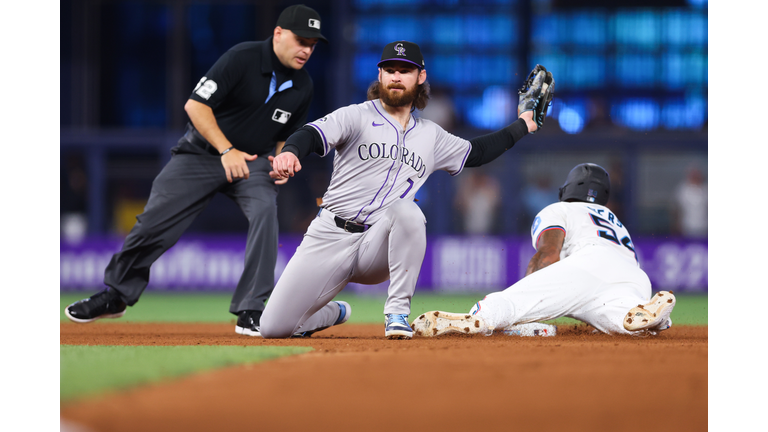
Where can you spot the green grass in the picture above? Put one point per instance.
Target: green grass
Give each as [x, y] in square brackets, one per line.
[87, 370]
[203, 307]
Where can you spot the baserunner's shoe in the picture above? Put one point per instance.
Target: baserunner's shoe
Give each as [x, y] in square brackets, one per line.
[652, 316]
[664, 325]
[397, 327]
[345, 311]
[104, 304]
[436, 323]
[531, 330]
[248, 323]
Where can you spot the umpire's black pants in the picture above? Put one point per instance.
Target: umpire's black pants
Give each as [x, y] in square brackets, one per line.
[180, 192]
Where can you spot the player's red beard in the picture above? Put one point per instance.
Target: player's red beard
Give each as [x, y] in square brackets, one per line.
[398, 99]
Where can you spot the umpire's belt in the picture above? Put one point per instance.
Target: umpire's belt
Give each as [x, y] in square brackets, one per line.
[194, 137]
[347, 225]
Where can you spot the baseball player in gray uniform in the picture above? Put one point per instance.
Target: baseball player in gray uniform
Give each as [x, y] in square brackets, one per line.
[369, 229]
[585, 268]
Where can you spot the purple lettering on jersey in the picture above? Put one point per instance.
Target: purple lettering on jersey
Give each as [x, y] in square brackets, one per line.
[395, 150]
[410, 185]
[394, 182]
[417, 165]
[404, 155]
[410, 160]
[378, 150]
[388, 172]
[360, 154]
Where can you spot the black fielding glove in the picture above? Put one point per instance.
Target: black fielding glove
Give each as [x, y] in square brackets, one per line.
[536, 94]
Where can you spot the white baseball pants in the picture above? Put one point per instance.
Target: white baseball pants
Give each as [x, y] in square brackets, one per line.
[594, 285]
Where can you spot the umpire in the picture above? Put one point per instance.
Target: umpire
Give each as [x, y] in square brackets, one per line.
[249, 102]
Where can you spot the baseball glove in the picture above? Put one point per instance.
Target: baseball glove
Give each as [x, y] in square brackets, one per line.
[536, 94]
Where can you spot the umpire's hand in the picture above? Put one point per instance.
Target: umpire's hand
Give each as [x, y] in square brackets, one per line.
[234, 162]
[284, 165]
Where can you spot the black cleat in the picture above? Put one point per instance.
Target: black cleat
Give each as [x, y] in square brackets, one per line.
[104, 304]
[248, 323]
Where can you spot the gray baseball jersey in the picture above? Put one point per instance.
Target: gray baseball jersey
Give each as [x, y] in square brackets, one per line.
[377, 170]
[378, 162]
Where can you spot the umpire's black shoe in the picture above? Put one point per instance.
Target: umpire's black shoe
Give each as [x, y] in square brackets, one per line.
[248, 323]
[105, 304]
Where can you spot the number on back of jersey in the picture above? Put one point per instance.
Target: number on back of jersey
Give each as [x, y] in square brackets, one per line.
[606, 229]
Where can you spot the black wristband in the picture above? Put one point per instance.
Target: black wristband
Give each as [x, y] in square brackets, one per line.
[227, 151]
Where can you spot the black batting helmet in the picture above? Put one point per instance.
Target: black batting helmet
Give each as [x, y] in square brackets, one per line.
[587, 182]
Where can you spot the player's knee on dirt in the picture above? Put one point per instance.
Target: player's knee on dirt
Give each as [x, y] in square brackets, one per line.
[271, 328]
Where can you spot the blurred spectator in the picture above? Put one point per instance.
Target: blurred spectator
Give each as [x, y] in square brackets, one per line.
[440, 109]
[536, 196]
[73, 192]
[690, 205]
[478, 199]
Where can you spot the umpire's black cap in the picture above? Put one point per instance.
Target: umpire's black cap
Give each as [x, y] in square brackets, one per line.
[403, 51]
[302, 20]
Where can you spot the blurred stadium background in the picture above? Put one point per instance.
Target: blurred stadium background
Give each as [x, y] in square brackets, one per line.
[632, 87]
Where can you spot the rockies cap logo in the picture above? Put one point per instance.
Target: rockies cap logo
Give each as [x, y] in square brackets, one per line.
[400, 49]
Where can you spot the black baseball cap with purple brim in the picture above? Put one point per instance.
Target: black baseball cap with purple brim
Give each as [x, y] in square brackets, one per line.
[302, 20]
[403, 51]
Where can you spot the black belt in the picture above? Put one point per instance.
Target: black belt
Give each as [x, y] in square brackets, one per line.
[194, 137]
[349, 226]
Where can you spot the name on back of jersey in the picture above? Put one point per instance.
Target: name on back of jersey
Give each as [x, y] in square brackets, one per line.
[607, 215]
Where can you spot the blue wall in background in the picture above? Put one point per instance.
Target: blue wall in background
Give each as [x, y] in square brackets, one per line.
[632, 86]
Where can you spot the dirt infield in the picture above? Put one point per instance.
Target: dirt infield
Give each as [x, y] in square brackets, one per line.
[356, 380]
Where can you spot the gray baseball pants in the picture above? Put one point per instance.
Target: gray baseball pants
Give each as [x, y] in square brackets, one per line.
[180, 192]
[330, 257]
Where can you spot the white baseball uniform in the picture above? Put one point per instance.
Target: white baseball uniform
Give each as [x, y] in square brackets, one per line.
[377, 170]
[597, 279]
